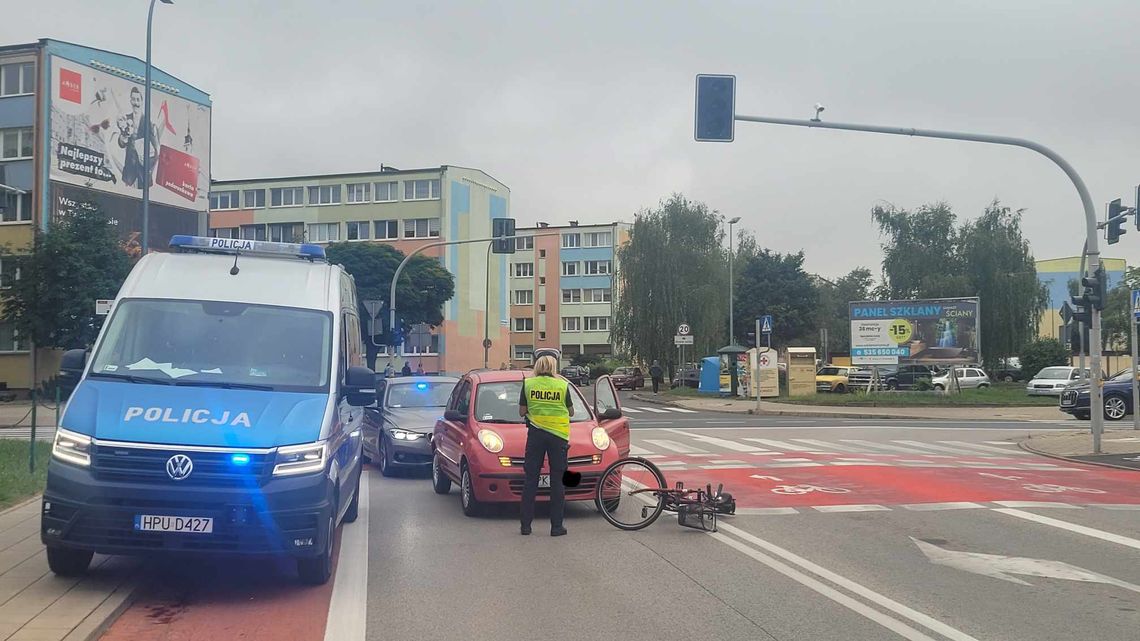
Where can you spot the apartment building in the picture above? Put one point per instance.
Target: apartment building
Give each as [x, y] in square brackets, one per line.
[563, 289]
[407, 209]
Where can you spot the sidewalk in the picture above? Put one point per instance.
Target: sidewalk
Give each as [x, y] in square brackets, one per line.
[36, 605]
[18, 414]
[769, 408]
[1119, 447]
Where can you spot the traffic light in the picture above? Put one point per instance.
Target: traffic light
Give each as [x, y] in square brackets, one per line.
[399, 334]
[1114, 225]
[716, 106]
[1078, 337]
[503, 231]
[1081, 313]
[1096, 289]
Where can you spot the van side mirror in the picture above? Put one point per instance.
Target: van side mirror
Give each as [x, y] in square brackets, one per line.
[360, 386]
[71, 367]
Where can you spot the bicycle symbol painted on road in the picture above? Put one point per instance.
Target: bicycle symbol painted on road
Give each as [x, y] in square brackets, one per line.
[807, 489]
[1049, 488]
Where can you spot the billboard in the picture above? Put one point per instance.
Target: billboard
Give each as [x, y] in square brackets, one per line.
[126, 216]
[889, 332]
[97, 138]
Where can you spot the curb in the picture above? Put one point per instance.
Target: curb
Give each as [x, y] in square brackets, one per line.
[808, 413]
[19, 505]
[1024, 444]
[92, 627]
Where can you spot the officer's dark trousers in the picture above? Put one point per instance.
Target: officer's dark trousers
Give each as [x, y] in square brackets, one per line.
[539, 444]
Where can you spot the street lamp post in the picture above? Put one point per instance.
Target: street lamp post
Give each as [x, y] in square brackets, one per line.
[146, 129]
[731, 283]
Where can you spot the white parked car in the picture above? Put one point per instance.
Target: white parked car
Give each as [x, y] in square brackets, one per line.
[1051, 381]
[968, 378]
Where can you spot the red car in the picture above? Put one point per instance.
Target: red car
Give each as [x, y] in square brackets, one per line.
[481, 440]
[629, 378]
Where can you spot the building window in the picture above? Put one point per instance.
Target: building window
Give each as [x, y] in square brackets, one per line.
[524, 352]
[287, 232]
[596, 295]
[286, 196]
[542, 253]
[597, 323]
[359, 192]
[253, 198]
[524, 270]
[357, 230]
[387, 192]
[253, 232]
[570, 268]
[524, 297]
[542, 280]
[598, 239]
[324, 232]
[421, 189]
[571, 240]
[223, 200]
[225, 232]
[324, 195]
[387, 230]
[571, 296]
[523, 243]
[571, 324]
[421, 228]
[524, 325]
[17, 79]
[594, 267]
[16, 144]
[9, 271]
[10, 340]
[17, 208]
[542, 336]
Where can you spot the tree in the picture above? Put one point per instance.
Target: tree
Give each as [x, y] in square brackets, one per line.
[78, 260]
[423, 288]
[1040, 353]
[920, 257]
[776, 284]
[831, 310]
[671, 272]
[1115, 327]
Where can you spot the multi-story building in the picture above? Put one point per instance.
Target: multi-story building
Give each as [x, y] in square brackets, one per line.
[563, 289]
[1055, 274]
[406, 209]
[71, 137]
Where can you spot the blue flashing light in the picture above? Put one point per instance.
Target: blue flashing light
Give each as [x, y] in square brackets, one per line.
[239, 459]
[421, 386]
[242, 245]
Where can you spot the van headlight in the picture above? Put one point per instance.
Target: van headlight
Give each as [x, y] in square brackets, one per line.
[72, 448]
[600, 437]
[301, 459]
[491, 441]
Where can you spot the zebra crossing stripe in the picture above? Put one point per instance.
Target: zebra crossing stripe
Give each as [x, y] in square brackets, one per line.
[883, 447]
[681, 410]
[631, 410]
[674, 446]
[942, 448]
[719, 442]
[653, 409]
[988, 448]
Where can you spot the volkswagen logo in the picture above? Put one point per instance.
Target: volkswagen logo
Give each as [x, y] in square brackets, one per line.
[179, 467]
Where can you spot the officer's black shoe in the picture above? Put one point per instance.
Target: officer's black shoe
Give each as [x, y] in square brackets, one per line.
[558, 531]
[524, 530]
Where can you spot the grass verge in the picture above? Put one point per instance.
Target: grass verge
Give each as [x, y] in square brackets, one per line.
[16, 483]
[1003, 395]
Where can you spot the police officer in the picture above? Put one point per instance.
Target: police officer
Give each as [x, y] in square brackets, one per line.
[545, 403]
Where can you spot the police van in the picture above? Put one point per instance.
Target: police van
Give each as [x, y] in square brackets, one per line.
[218, 412]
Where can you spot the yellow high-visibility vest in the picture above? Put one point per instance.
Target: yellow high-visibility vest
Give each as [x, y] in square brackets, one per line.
[546, 404]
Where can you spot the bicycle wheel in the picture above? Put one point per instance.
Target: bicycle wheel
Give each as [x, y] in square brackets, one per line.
[629, 494]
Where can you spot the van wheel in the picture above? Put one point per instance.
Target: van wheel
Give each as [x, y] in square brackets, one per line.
[467, 498]
[318, 570]
[68, 561]
[439, 481]
[354, 507]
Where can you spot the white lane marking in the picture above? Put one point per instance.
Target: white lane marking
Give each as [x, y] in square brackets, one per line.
[674, 446]
[666, 463]
[1000, 443]
[932, 507]
[774, 444]
[864, 463]
[719, 442]
[739, 466]
[1072, 527]
[942, 448]
[794, 465]
[1042, 504]
[852, 508]
[872, 446]
[825, 446]
[728, 462]
[765, 511]
[988, 448]
[791, 460]
[880, 600]
[923, 464]
[347, 620]
[679, 409]
[652, 409]
[631, 410]
[638, 451]
[1117, 506]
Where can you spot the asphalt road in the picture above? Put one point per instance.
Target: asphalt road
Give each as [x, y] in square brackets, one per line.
[845, 530]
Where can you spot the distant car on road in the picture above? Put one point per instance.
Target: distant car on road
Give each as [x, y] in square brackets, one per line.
[398, 427]
[1051, 381]
[688, 375]
[577, 375]
[1117, 398]
[967, 377]
[629, 378]
[833, 378]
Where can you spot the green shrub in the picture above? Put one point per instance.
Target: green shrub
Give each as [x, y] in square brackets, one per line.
[1041, 353]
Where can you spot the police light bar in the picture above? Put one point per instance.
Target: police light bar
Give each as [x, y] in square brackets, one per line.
[239, 245]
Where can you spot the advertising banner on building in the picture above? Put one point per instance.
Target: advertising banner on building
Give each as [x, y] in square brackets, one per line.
[943, 330]
[126, 216]
[97, 137]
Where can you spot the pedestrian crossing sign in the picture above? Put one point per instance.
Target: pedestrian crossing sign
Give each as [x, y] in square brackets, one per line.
[765, 324]
[1136, 303]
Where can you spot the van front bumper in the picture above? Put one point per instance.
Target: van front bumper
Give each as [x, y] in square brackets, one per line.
[279, 516]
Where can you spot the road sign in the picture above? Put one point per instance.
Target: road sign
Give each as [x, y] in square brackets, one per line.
[716, 108]
[486, 343]
[1136, 303]
[103, 306]
[682, 340]
[1066, 311]
[684, 330]
[373, 307]
[766, 324]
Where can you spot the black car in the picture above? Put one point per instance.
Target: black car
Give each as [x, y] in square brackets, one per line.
[688, 375]
[1117, 398]
[893, 377]
[577, 375]
[398, 427]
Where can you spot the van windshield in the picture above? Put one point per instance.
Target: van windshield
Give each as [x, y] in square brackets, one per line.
[223, 344]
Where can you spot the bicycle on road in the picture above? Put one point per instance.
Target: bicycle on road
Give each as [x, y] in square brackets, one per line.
[632, 493]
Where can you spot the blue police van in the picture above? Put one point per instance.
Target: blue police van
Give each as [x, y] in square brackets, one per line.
[218, 412]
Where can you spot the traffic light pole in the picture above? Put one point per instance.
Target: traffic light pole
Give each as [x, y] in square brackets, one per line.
[1135, 388]
[1093, 250]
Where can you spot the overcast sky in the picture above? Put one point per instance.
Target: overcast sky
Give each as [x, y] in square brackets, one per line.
[585, 109]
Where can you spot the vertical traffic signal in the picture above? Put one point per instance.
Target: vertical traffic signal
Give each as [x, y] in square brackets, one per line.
[1096, 289]
[503, 231]
[1114, 225]
[716, 107]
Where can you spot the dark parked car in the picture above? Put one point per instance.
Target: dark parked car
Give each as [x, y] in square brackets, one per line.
[398, 427]
[905, 377]
[629, 378]
[577, 375]
[688, 375]
[1117, 398]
